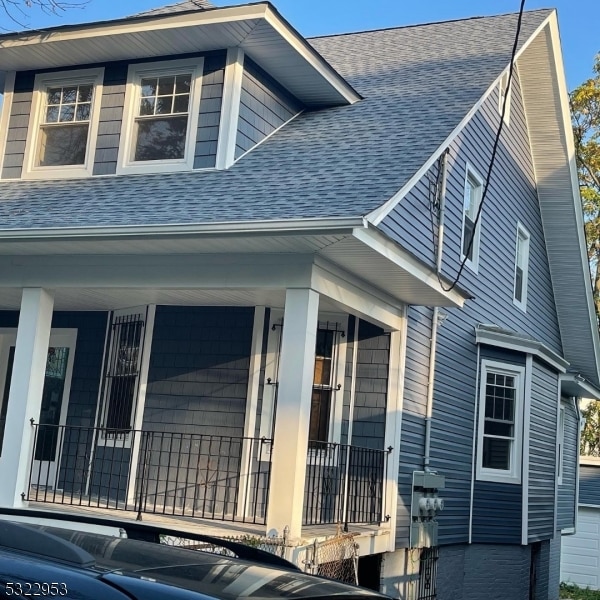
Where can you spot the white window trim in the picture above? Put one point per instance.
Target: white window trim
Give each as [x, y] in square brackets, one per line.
[514, 474]
[138, 404]
[560, 441]
[502, 85]
[134, 75]
[522, 232]
[337, 404]
[59, 79]
[471, 173]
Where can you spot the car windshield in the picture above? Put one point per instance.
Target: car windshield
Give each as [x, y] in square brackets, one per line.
[210, 574]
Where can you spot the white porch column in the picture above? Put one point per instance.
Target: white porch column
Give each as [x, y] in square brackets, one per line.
[295, 382]
[25, 396]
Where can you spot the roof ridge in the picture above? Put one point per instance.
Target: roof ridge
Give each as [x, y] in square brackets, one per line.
[397, 27]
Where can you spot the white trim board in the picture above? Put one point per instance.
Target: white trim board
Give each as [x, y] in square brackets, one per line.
[501, 339]
[230, 108]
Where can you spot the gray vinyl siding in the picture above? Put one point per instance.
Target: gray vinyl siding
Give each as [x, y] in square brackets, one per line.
[264, 106]
[198, 375]
[348, 375]
[589, 485]
[542, 453]
[370, 399]
[210, 111]
[83, 394]
[511, 199]
[111, 117]
[18, 124]
[503, 523]
[413, 414]
[567, 489]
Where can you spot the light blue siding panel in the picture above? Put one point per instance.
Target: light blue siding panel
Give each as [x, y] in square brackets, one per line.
[497, 512]
[566, 490]
[264, 106]
[589, 485]
[512, 199]
[413, 417]
[17, 125]
[542, 453]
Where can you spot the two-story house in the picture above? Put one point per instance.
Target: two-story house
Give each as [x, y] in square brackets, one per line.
[227, 268]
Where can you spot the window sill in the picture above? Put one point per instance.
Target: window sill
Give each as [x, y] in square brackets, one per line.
[500, 477]
[67, 172]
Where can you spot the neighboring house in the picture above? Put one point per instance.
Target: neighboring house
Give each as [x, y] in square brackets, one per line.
[226, 255]
[580, 557]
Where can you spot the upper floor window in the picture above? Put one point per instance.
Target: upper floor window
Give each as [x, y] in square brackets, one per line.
[62, 134]
[501, 400]
[161, 116]
[504, 94]
[521, 268]
[470, 229]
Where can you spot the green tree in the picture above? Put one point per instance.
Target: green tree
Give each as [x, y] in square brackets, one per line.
[590, 440]
[585, 111]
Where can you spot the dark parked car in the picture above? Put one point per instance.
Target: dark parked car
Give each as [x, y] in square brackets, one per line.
[40, 561]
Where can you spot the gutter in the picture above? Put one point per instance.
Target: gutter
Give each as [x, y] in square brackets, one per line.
[291, 226]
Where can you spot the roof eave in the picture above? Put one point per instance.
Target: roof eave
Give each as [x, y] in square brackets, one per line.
[249, 26]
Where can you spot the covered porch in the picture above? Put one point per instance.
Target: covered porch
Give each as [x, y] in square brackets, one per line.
[257, 388]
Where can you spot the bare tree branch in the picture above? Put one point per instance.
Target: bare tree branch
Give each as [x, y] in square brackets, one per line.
[18, 11]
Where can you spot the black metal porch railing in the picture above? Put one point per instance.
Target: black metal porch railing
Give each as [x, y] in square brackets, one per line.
[206, 476]
[344, 484]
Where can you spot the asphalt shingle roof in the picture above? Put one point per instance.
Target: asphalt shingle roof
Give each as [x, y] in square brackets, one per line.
[418, 83]
[175, 8]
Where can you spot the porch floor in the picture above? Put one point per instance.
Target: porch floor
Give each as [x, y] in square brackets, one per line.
[204, 526]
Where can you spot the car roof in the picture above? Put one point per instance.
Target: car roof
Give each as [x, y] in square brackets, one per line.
[208, 574]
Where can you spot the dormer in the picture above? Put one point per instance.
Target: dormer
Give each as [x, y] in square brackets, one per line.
[166, 91]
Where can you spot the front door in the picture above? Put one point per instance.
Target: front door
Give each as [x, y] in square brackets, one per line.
[55, 397]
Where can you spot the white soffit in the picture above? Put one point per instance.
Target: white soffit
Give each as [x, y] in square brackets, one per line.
[547, 110]
[258, 29]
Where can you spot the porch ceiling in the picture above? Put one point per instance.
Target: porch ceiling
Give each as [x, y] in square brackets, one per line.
[246, 268]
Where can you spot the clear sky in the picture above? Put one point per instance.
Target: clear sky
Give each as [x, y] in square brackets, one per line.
[579, 19]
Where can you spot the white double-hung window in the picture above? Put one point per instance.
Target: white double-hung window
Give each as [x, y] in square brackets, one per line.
[470, 225]
[501, 399]
[521, 268]
[161, 116]
[61, 139]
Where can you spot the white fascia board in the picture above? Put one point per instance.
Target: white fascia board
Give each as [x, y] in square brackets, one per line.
[378, 242]
[311, 56]
[589, 461]
[525, 345]
[298, 226]
[376, 216]
[565, 122]
[578, 386]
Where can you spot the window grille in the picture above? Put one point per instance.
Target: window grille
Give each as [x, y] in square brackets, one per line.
[122, 375]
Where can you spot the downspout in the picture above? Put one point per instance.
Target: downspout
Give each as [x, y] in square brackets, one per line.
[435, 317]
[430, 384]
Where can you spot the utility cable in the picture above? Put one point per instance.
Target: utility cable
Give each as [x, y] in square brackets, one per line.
[493, 157]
